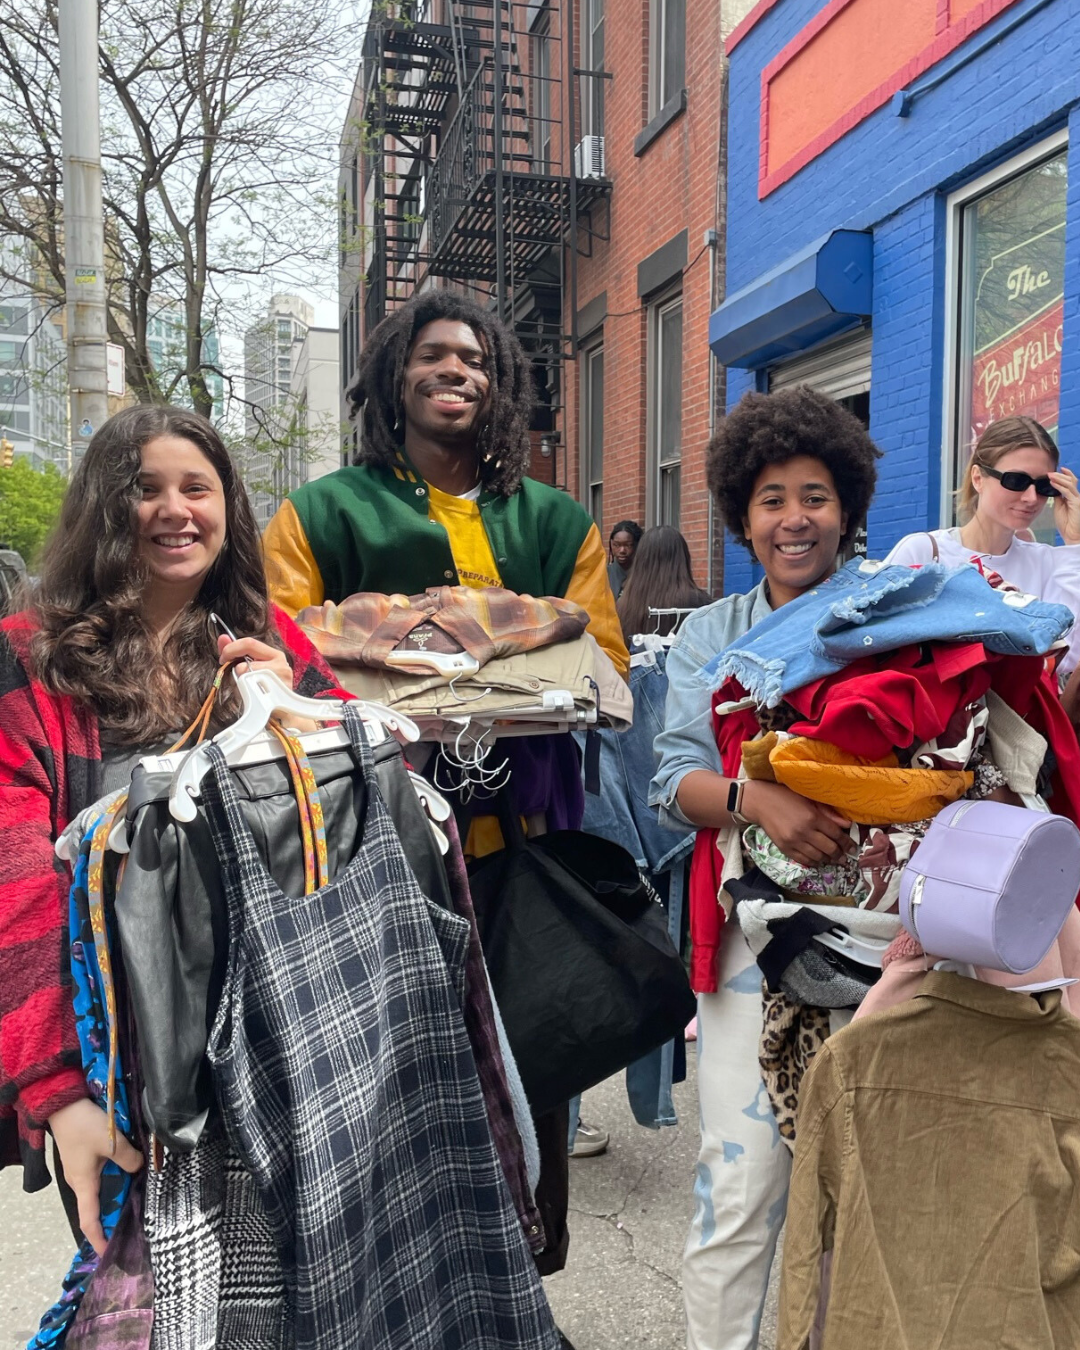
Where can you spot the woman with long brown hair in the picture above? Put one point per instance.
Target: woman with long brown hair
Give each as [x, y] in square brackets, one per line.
[112, 657]
[661, 579]
[1014, 470]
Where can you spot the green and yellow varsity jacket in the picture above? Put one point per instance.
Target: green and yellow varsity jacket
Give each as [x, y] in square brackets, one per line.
[366, 528]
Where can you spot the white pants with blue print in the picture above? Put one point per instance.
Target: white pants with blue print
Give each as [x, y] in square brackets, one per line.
[743, 1168]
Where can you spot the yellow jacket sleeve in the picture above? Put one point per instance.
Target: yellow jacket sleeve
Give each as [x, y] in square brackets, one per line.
[589, 587]
[292, 576]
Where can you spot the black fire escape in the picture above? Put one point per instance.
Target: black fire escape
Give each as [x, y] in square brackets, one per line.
[476, 171]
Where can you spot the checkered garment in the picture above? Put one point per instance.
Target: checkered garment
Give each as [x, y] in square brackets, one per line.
[348, 1087]
[217, 1278]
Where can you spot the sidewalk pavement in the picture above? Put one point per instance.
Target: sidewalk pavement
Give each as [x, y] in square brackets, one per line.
[36, 1248]
[629, 1213]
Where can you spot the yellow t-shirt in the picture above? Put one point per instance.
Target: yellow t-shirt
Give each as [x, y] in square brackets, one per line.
[469, 544]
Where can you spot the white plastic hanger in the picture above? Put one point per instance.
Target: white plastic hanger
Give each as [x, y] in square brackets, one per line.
[264, 695]
[680, 612]
[866, 951]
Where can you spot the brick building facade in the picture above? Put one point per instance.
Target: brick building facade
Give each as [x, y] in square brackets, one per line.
[903, 209]
[645, 293]
[608, 163]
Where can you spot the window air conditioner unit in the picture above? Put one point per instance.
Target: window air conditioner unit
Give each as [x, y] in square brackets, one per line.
[589, 158]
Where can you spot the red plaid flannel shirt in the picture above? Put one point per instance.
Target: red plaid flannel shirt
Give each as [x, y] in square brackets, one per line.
[49, 770]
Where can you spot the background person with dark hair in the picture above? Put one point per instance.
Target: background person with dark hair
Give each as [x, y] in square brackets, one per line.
[622, 545]
[661, 579]
[792, 473]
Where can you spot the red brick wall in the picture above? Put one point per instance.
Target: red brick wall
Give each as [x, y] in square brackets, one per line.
[671, 186]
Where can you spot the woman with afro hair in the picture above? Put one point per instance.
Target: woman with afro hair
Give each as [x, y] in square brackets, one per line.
[793, 474]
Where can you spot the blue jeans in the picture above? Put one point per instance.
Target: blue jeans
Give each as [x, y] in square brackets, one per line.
[866, 608]
[628, 760]
[621, 813]
[649, 1079]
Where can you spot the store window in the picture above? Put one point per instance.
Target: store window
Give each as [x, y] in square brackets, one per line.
[592, 431]
[665, 409]
[1010, 266]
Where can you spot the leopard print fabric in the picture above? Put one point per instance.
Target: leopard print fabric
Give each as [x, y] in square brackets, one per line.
[791, 1035]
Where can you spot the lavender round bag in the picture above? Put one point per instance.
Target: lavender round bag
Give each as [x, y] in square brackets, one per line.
[991, 884]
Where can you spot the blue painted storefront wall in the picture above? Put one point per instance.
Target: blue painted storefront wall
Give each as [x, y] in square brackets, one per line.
[892, 175]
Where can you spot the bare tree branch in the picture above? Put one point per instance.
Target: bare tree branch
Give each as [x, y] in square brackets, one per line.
[219, 155]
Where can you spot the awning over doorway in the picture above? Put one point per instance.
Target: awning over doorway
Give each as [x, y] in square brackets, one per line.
[818, 292]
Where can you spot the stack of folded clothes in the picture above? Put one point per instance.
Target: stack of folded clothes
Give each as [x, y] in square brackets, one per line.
[886, 692]
[487, 659]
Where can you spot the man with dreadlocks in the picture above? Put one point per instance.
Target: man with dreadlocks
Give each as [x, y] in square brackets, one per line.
[439, 494]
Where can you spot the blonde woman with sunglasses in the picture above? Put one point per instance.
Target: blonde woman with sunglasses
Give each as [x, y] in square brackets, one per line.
[1013, 471]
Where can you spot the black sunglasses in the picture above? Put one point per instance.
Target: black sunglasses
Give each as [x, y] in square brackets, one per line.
[1020, 482]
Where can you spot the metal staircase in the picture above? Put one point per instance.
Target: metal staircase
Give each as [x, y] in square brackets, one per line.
[473, 166]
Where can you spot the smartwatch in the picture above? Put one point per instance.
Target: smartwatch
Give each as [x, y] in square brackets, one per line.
[734, 802]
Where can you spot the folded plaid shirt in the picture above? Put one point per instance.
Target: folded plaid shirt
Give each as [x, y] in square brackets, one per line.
[365, 628]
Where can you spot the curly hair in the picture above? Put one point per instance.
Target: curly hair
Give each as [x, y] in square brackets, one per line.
[764, 429]
[377, 394]
[93, 642]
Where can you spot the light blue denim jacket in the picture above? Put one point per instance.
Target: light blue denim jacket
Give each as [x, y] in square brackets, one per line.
[687, 742]
[867, 608]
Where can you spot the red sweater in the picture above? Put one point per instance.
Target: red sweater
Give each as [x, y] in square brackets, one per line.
[50, 758]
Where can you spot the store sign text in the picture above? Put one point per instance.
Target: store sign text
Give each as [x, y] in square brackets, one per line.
[1024, 281]
[1021, 374]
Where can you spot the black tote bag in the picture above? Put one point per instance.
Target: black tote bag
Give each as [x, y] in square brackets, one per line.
[585, 975]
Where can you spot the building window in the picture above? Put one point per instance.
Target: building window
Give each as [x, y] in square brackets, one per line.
[540, 57]
[1008, 275]
[665, 409]
[592, 58]
[411, 208]
[667, 52]
[14, 318]
[592, 431]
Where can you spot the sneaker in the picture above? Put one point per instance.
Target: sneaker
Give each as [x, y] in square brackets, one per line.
[589, 1141]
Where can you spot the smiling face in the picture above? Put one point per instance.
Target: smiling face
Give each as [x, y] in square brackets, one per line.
[794, 523]
[181, 518]
[446, 384]
[1012, 510]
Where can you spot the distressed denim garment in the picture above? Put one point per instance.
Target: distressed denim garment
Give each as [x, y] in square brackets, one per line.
[628, 759]
[687, 742]
[866, 608]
